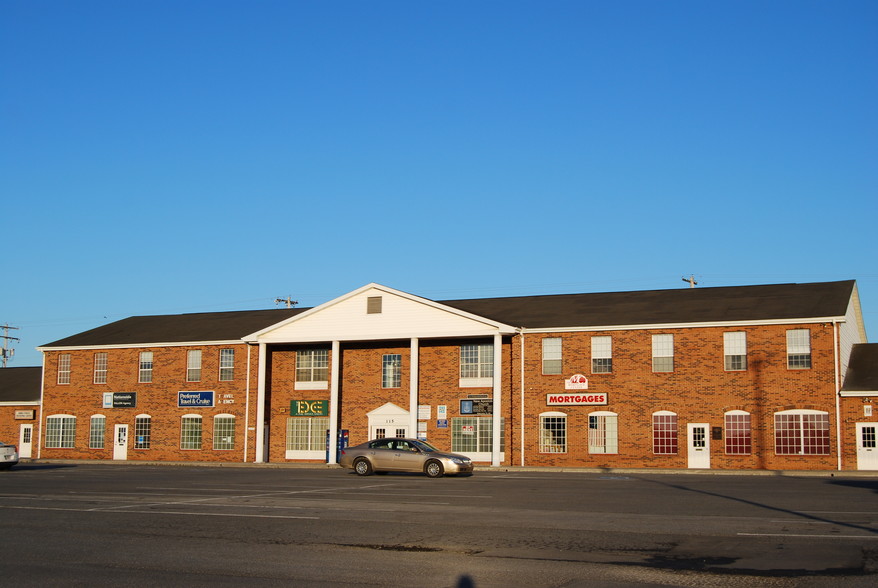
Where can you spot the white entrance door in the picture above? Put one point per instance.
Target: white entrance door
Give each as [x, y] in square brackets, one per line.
[25, 443]
[389, 420]
[699, 445]
[120, 443]
[867, 450]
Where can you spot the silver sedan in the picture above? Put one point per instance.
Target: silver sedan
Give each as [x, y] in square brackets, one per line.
[397, 454]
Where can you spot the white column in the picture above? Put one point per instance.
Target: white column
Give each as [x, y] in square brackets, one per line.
[260, 406]
[413, 387]
[333, 400]
[498, 398]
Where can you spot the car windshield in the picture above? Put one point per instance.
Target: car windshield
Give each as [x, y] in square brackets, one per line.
[424, 446]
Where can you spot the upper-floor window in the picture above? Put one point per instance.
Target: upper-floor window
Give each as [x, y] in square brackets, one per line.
[601, 354]
[798, 349]
[312, 369]
[662, 353]
[735, 351]
[100, 373]
[144, 373]
[552, 355]
[391, 370]
[227, 365]
[64, 368]
[193, 365]
[477, 360]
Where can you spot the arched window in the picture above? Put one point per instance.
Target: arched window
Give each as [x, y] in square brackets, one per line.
[603, 432]
[142, 431]
[190, 432]
[96, 430]
[60, 431]
[736, 425]
[553, 432]
[801, 432]
[664, 433]
[224, 431]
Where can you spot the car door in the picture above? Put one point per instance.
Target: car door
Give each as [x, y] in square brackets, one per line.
[407, 457]
[381, 454]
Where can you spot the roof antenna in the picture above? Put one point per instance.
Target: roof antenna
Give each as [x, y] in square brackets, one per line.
[288, 301]
[691, 281]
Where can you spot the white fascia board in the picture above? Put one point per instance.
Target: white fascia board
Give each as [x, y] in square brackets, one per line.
[22, 403]
[503, 328]
[857, 393]
[144, 345]
[665, 326]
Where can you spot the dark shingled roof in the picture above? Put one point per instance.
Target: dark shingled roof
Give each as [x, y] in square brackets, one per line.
[680, 306]
[683, 305]
[20, 384]
[179, 328]
[862, 374]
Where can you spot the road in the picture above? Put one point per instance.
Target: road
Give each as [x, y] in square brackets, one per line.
[147, 525]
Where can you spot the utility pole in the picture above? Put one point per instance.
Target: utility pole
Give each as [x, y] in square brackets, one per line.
[691, 281]
[5, 351]
[288, 301]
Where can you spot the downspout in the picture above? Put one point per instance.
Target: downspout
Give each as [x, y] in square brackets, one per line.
[247, 403]
[835, 344]
[521, 383]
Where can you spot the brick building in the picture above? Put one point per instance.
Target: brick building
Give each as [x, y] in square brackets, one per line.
[20, 407]
[745, 377]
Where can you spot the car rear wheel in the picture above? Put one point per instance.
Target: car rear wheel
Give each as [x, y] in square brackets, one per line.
[434, 469]
[362, 467]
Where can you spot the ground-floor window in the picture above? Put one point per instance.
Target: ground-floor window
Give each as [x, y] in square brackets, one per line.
[475, 434]
[142, 431]
[553, 432]
[224, 431]
[736, 432]
[603, 432]
[61, 431]
[97, 428]
[307, 433]
[664, 433]
[801, 432]
[190, 432]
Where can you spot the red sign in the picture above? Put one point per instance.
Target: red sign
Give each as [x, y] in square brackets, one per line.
[584, 399]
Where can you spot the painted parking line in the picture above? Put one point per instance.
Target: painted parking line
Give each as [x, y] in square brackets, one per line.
[806, 536]
[170, 512]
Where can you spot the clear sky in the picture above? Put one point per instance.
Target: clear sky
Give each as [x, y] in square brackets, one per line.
[194, 156]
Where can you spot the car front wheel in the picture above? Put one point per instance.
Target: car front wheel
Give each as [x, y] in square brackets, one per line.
[362, 467]
[434, 469]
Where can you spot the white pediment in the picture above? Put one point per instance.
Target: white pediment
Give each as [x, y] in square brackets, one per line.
[401, 316]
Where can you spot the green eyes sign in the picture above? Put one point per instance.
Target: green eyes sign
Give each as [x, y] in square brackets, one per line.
[309, 407]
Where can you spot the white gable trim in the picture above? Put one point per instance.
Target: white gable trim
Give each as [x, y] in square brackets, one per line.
[471, 325]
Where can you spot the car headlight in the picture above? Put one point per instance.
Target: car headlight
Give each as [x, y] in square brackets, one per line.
[457, 461]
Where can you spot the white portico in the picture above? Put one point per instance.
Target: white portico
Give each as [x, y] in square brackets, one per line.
[379, 313]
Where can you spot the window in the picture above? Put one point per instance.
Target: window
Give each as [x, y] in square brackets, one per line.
[474, 434]
[601, 355]
[477, 360]
[60, 431]
[664, 433]
[193, 365]
[190, 432]
[373, 305]
[801, 432]
[662, 353]
[100, 375]
[737, 433]
[96, 429]
[735, 351]
[391, 371]
[307, 433]
[64, 368]
[552, 355]
[312, 365]
[224, 432]
[553, 432]
[603, 432]
[144, 375]
[142, 431]
[798, 349]
[227, 365]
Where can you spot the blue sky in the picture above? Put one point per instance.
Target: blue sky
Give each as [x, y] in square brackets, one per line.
[191, 156]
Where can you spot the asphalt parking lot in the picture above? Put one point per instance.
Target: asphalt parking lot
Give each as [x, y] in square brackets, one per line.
[102, 524]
